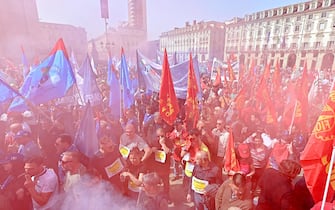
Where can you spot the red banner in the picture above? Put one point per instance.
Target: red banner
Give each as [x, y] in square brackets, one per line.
[192, 107]
[230, 161]
[316, 156]
[168, 103]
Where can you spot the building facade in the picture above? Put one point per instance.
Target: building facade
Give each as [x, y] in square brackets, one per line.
[205, 39]
[292, 34]
[20, 26]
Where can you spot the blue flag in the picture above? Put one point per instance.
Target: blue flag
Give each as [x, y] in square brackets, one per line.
[49, 80]
[89, 89]
[109, 69]
[86, 139]
[125, 84]
[114, 95]
[149, 75]
[6, 92]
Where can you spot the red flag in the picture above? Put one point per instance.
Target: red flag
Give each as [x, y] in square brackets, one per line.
[289, 105]
[192, 108]
[232, 57]
[316, 156]
[276, 79]
[264, 96]
[231, 73]
[241, 98]
[230, 161]
[168, 104]
[241, 73]
[266, 73]
[217, 80]
[301, 111]
[252, 69]
[297, 109]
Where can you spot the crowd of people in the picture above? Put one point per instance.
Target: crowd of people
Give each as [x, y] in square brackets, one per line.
[42, 168]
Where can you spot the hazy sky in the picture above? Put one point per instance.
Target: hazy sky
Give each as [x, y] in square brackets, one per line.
[162, 15]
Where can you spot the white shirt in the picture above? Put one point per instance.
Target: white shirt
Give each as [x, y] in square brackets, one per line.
[47, 182]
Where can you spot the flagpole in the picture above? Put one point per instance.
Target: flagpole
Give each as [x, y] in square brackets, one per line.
[328, 179]
[29, 103]
[293, 116]
[81, 99]
[121, 101]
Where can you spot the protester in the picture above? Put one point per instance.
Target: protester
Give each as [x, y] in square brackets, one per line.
[108, 162]
[63, 143]
[276, 187]
[178, 137]
[42, 184]
[259, 154]
[233, 193]
[221, 136]
[205, 174]
[151, 196]
[132, 175]
[13, 194]
[161, 158]
[73, 169]
[129, 139]
[27, 146]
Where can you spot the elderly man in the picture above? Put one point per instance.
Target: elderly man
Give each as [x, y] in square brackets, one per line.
[233, 193]
[129, 139]
[205, 175]
[73, 168]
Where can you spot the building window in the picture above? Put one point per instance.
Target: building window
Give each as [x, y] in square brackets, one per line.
[310, 16]
[259, 32]
[322, 26]
[305, 45]
[297, 28]
[330, 44]
[294, 45]
[301, 7]
[324, 14]
[287, 29]
[298, 18]
[287, 20]
[303, 54]
[309, 27]
[317, 44]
